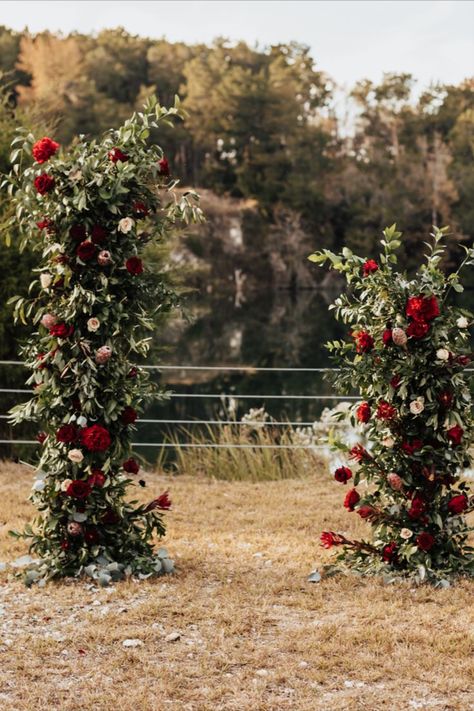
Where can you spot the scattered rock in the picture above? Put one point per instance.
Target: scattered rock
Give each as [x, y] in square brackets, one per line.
[261, 672]
[132, 643]
[172, 637]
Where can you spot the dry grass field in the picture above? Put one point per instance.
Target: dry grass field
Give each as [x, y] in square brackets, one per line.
[238, 627]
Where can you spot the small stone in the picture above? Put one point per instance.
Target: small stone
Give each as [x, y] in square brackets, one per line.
[303, 665]
[172, 637]
[132, 643]
[261, 672]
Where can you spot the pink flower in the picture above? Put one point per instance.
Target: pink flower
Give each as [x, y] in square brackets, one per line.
[103, 354]
[48, 321]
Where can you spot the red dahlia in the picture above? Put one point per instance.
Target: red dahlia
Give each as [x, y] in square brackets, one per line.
[425, 541]
[369, 267]
[418, 329]
[44, 149]
[422, 308]
[95, 438]
[67, 434]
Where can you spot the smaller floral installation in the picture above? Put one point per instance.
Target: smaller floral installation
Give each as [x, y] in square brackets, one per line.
[90, 210]
[406, 356]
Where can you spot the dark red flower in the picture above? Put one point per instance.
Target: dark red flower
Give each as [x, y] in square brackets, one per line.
[329, 539]
[445, 398]
[95, 438]
[363, 412]
[425, 541]
[389, 552]
[395, 382]
[86, 250]
[164, 167]
[91, 535]
[44, 183]
[364, 341]
[44, 149]
[61, 330]
[134, 266]
[387, 337]
[417, 507]
[133, 372]
[366, 511]
[131, 466]
[46, 224]
[385, 411]
[41, 437]
[463, 360]
[422, 308]
[79, 489]
[455, 435]
[162, 502]
[343, 474]
[97, 478]
[98, 234]
[359, 453]
[115, 155]
[128, 416]
[458, 503]
[78, 232]
[412, 447]
[351, 499]
[418, 329]
[67, 434]
[65, 545]
[140, 209]
[110, 517]
[369, 267]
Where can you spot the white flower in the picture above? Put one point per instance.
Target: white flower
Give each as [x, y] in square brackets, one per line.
[417, 406]
[46, 279]
[75, 455]
[125, 225]
[93, 325]
[81, 421]
[65, 484]
[442, 354]
[388, 442]
[462, 322]
[39, 485]
[406, 533]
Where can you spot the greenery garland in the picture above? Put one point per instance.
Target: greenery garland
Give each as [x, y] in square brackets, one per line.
[86, 210]
[406, 357]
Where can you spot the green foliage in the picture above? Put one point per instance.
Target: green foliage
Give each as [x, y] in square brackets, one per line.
[87, 227]
[406, 357]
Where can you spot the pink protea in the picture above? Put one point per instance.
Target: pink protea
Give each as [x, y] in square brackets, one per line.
[399, 337]
[103, 354]
[48, 321]
[395, 481]
[104, 257]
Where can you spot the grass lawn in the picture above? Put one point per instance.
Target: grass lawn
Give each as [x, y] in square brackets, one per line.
[238, 627]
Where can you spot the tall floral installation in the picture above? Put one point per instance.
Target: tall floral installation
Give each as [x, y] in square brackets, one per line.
[90, 211]
[406, 357]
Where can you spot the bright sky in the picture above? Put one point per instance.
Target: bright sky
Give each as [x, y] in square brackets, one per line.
[350, 39]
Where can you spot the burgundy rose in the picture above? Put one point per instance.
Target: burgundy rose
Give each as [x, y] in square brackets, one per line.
[61, 330]
[395, 382]
[389, 553]
[425, 541]
[418, 329]
[110, 517]
[363, 412]
[343, 474]
[44, 183]
[134, 266]
[67, 434]
[97, 478]
[115, 155]
[164, 167]
[364, 341]
[95, 438]
[351, 499]
[387, 337]
[457, 504]
[455, 435]
[140, 209]
[131, 466]
[86, 251]
[329, 539]
[445, 398]
[98, 234]
[412, 447]
[79, 489]
[133, 372]
[385, 411]
[366, 511]
[369, 267]
[78, 232]
[128, 416]
[417, 507]
[463, 360]
[91, 535]
[44, 149]
[162, 502]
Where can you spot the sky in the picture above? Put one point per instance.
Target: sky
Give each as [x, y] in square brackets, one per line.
[350, 39]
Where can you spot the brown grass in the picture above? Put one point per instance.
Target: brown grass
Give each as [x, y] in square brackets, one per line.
[253, 633]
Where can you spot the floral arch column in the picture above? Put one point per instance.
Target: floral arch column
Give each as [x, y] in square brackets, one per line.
[406, 356]
[88, 211]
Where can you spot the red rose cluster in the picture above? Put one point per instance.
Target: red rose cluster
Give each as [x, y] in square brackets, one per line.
[421, 310]
[44, 149]
[364, 341]
[369, 267]
[44, 183]
[363, 412]
[95, 438]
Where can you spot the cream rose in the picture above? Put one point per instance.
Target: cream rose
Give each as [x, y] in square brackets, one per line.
[406, 533]
[462, 322]
[93, 325]
[125, 225]
[65, 484]
[388, 442]
[75, 455]
[46, 280]
[442, 354]
[417, 406]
